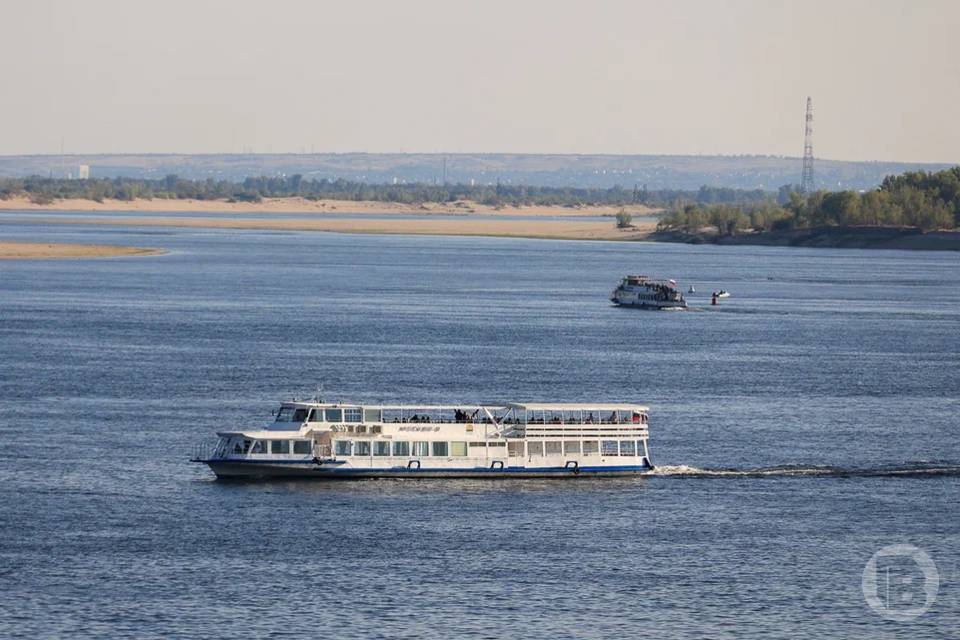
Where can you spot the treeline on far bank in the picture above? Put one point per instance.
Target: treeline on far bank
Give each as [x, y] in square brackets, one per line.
[926, 201]
[43, 190]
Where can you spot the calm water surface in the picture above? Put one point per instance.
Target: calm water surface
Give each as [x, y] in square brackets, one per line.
[800, 427]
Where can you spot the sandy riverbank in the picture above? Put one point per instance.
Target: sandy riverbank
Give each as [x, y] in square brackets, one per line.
[601, 229]
[302, 205]
[45, 251]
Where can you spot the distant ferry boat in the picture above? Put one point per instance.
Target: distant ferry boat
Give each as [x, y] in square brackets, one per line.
[322, 440]
[645, 293]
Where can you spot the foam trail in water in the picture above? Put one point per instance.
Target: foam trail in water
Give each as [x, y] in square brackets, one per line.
[910, 469]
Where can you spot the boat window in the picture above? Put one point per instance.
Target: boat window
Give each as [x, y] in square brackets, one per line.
[458, 448]
[535, 448]
[352, 415]
[381, 448]
[628, 448]
[376, 428]
[439, 448]
[478, 444]
[259, 446]
[361, 448]
[608, 447]
[421, 449]
[285, 414]
[571, 446]
[401, 448]
[301, 447]
[554, 448]
[279, 446]
[515, 448]
[590, 448]
[498, 444]
[315, 415]
[371, 415]
[343, 447]
[641, 448]
[360, 428]
[334, 415]
[300, 415]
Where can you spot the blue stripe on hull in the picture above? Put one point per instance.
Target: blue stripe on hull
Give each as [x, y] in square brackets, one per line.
[258, 470]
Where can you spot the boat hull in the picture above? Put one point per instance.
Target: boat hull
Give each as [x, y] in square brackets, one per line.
[651, 307]
[240, 470]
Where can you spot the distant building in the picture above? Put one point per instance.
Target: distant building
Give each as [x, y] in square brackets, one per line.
[83, 172]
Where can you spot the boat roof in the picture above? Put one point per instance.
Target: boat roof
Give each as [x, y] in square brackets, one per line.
[576, 406]
[521, 406]
[643, 278]
[420, 407]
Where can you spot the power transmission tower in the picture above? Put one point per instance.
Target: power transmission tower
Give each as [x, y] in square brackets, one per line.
[806, 181]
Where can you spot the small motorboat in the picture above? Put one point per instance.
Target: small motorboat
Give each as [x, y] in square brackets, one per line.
[691, 289]
[722, 294]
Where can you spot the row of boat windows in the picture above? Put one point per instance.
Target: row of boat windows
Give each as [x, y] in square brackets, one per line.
[444, 449]
[403, 448]
[302, 414]
[587, 447]
[299, 447]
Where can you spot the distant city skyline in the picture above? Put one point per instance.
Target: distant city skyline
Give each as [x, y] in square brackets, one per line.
[608, 77]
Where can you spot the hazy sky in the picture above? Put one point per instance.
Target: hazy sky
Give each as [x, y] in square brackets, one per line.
[597, 76]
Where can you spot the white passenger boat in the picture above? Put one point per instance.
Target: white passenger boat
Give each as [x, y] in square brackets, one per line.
[322, 440]
[645, 293]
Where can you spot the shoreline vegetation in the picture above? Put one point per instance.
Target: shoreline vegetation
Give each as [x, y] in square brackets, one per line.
[915, 210]
[922, 201]
[60, 250]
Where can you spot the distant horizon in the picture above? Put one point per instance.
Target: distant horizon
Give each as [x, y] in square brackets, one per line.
[798, 158]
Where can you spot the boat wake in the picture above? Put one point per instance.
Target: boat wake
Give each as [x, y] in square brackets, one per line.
[908, 470]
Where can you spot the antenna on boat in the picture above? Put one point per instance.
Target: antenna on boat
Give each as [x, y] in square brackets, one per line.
[319, 396]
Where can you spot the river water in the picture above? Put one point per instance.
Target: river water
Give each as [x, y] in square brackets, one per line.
[807, 422]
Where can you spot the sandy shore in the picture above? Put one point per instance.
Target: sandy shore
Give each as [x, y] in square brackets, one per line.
[302, 205]
[601, 229]
[44, 251]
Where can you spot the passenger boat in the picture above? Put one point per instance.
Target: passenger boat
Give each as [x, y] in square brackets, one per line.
[645, 293]
[312, 439]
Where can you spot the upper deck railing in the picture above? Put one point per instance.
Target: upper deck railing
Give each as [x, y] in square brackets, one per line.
[514, 413]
